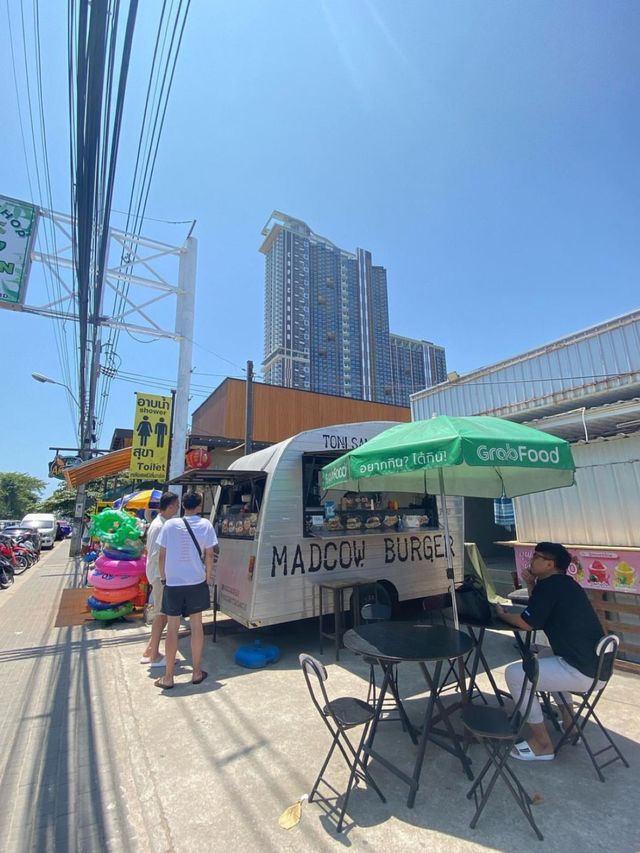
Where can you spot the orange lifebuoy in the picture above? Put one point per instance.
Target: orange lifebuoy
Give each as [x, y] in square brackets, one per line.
[116, 596]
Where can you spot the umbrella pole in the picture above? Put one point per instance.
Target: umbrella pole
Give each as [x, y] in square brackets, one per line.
[447, 546]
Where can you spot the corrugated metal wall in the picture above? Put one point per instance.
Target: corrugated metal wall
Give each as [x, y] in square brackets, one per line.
[603, 508]
[562, 371]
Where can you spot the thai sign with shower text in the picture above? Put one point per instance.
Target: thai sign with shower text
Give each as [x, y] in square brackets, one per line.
[151, 437]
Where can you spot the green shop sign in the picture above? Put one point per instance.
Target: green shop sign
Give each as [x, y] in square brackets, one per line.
[17, 231]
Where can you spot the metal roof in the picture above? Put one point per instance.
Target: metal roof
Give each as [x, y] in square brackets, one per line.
[215, 477]
[598, 366]
[585, 424]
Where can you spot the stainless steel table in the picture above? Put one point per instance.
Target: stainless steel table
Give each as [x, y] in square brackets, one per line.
[409, 642]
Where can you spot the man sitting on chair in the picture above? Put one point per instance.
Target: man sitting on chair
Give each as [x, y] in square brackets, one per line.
[559, 607]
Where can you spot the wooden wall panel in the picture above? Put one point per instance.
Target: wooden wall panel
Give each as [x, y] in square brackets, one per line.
[279, 413]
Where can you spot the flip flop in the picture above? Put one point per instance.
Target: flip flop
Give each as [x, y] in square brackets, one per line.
[161, 662]
[523, 752]
[158, 683]
[201, 679]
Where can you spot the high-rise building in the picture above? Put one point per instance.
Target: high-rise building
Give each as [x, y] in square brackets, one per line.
[415, 365]
[326, 316]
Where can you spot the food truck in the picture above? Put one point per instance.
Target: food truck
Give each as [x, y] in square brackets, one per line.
[278, 532]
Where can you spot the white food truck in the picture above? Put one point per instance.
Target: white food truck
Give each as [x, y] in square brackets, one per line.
[278, 533]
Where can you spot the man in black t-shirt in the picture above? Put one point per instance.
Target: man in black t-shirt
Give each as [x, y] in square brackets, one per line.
[559, 607]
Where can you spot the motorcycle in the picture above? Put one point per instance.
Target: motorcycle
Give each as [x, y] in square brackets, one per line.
[24, 556]
[6, 572]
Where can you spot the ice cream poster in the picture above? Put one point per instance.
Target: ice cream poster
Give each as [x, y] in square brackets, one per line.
[607, 569]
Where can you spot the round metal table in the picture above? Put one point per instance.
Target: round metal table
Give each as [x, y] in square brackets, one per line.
[413, 642]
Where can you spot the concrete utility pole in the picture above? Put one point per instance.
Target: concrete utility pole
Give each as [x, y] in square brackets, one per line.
[248, 422]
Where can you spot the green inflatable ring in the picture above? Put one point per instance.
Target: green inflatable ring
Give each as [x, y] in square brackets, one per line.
[113, 612]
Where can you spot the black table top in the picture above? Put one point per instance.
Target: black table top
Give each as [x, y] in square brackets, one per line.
[496, 624]
[407, 641]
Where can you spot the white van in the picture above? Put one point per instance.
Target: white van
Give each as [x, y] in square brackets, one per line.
[278, 532]
[45, 524]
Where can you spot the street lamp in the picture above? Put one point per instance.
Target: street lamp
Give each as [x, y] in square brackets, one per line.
[40, 377]
[76, 537]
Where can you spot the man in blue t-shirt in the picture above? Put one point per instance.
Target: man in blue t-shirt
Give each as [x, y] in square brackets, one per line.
[558, 606]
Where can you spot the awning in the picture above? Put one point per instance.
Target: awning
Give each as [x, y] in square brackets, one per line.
[101, 466]
[215, 477]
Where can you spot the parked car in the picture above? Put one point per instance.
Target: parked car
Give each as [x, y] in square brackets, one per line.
[19, 529]
[64, 527]
[45, 523]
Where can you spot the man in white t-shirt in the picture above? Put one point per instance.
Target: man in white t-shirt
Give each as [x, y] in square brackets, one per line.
[186, 570]
[169, 506]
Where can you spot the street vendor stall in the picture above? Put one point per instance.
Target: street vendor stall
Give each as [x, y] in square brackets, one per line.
[474, 456]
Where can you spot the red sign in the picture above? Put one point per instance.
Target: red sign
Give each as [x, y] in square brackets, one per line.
[606, 569]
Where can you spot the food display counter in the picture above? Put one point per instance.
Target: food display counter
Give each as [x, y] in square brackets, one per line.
[363, 514]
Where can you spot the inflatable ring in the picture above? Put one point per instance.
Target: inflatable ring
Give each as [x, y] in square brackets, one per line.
[123, 553]
[121, 567]
[116, 596]
[94, 604]
[113, 612]
[101, 580]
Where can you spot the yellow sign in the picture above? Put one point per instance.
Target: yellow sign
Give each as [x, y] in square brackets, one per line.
[150, 446]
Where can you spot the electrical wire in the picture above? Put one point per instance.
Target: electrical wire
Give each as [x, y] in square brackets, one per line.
[148, 144]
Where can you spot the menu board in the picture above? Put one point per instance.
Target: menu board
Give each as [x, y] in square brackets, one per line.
[606, 569]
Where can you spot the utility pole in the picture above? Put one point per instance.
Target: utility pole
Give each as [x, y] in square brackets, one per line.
[248, 421]
[87, 428]
[185, 308]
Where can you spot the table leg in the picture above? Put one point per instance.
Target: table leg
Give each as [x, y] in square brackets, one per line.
[523, 646]
[426, 726]
[356, 598]
[454, 749]
[386, 670]
[337, 609]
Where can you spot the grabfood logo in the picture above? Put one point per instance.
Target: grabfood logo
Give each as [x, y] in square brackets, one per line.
[521, 453]
[334, 474]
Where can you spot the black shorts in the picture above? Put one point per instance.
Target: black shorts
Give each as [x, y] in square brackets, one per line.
[185, 600]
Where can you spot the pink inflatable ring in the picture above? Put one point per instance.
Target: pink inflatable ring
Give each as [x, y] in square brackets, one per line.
[100, 580]
[121, 567]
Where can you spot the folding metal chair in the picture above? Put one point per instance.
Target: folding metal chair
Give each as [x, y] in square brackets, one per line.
[498, 731]
[606, 651]
[375, 613]
[339, 715]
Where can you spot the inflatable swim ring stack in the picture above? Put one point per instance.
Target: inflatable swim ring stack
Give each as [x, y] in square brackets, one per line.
[116, 576]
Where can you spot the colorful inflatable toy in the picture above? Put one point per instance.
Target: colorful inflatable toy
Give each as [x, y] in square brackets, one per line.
[116, 596]
[94, 604]
[113, 612]
[100, 580]
[115, 527]
[130, 553]
[133, 568]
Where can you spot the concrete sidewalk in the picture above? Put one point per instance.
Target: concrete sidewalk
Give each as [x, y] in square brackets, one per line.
[96, 758]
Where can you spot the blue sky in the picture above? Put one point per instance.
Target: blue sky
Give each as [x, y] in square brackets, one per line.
[486, 153]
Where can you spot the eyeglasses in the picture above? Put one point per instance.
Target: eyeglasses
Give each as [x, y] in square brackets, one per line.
[538, 556]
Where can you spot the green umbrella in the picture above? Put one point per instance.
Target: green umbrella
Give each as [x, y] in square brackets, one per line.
[478, 456]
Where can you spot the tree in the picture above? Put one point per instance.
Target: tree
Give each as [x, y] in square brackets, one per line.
[62, 502]
[19, 494]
